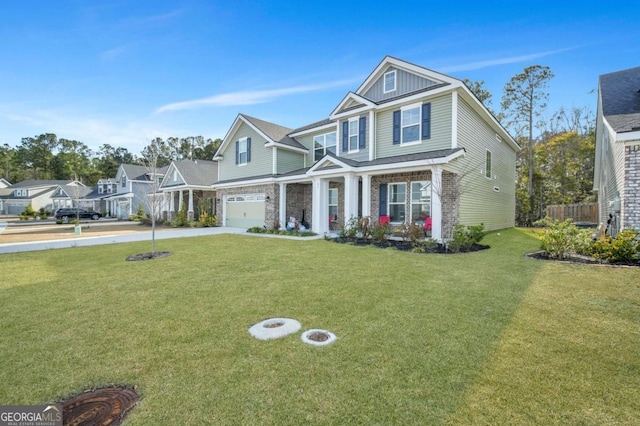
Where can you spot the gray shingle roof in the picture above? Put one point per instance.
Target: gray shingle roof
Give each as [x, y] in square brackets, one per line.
[620, 92]
[198, 172]
[135, 172]
[36, 183]
[275, 132]
[312, 125]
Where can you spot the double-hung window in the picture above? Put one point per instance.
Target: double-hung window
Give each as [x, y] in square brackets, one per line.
[389, 81]
[420, 202]
[123, 181]
[323, 144]
[242, 151]
[333, 203]
[397, 199]
[353, 134]
[410, 124]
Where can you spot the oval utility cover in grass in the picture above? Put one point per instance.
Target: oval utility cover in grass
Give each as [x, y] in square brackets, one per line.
[274, 328]
[107, 406]
[317, 337]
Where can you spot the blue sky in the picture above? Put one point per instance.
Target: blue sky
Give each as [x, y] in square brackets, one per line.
[123, 72]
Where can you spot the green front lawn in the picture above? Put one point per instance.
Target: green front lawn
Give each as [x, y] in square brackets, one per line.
[480, 338]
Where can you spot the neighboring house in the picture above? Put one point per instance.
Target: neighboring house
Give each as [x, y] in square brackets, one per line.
[133, 184]
[35, 193]
[188, 183]
[617, 157]
[77, 196]
[4, 183]
[409, 145]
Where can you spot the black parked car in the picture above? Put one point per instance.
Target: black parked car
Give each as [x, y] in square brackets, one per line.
[67, 214]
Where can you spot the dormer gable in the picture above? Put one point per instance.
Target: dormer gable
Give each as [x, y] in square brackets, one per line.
[350, 105]
[396, 78]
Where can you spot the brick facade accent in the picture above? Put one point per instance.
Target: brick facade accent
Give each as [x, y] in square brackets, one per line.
[631, 201]
[299, 198]
[270, 190]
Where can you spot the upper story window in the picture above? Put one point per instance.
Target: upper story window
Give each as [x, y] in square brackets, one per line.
[412, 124]
[123, 181]
[21, 192]
[390, 81]
[488, 165]
[353, 134]
[100, 189]
[243, 151]
[175, 175]
[322, 144]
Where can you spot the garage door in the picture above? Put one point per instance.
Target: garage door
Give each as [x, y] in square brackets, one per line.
[245, 211]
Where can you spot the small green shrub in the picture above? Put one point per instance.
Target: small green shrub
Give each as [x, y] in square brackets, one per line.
[28, 213]
[464, 237]
[558, 238]
[583, 242]
[380, 232]
[181, 218]
[350, 228]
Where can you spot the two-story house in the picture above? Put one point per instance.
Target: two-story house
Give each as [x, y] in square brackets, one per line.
[617, 156]
[133, 184]
[35, 193]
[409, 145]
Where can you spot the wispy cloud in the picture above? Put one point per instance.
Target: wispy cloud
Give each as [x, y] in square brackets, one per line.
[502, 61]
[111, 54]
[250, 97]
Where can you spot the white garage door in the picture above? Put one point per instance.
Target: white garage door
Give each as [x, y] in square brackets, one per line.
[245, 211]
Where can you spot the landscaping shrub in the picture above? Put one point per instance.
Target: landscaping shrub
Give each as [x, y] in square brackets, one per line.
[410, 232]
[295, 233]
[205, 220]
[365, 227]
[350, 228]
[380, 232]
[464, 237]
[181, 218]
[558, 238]
[28, 213]
[623, 248]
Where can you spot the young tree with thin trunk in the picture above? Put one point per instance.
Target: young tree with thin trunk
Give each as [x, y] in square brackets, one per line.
[524, 99]
[151, 157]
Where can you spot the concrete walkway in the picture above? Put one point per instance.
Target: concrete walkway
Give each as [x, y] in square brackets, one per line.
[129, 238]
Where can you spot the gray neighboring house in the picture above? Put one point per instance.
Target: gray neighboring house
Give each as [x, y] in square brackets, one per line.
[617, 156]
[35, 193]
[189, 183]
[76, 196]
[133, 184]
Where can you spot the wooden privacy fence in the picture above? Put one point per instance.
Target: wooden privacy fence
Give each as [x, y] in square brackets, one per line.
[582, 212]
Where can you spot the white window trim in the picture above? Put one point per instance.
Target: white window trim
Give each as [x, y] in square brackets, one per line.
[384, 82]
[404, 108]
[357, 135]
[404, 203]
[413, 202]
[336, 205]
[487, 171]
[324, 144]
[246, 151]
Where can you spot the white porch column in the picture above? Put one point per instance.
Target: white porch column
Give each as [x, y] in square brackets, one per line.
[190, 211]
[320, 206]
[366, 195]
[172, 205]
[436, 204]
[350, 197]
[282, 206]
[180, 201]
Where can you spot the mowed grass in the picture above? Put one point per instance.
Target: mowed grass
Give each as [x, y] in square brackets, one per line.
[481, 338]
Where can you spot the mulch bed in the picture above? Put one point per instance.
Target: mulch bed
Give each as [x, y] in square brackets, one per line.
[405, 246]
[148, 256]
[576, 258]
